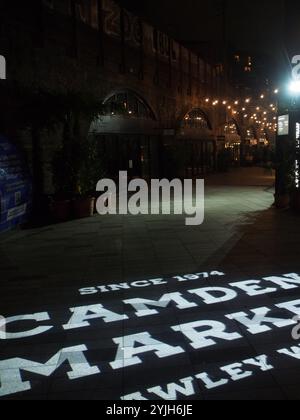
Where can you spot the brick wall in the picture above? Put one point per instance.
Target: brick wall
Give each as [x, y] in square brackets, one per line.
[99, 48]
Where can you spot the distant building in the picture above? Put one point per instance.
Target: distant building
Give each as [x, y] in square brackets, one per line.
[249, 72]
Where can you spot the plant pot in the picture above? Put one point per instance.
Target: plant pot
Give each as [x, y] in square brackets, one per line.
[61, 210]
[282, 201]
[295, 200]
[83, 207]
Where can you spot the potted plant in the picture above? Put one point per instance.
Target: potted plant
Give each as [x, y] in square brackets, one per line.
[285, 177]
[295, 190]
[283, 194]
[83, 206]
[61, 203]
[282, 201]
[89, 174]
[295, 199]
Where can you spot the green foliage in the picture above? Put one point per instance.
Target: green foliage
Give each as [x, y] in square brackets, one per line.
[92, 167]
[285, 166]
[63, 176]
[27, 107]
[76, 165]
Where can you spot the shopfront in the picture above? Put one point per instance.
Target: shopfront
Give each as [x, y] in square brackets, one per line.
[250, 145]
[233, 142]
[257, 146]
[128, 136]
[198, 144]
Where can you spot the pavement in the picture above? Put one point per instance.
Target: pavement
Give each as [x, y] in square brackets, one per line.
[125, 304]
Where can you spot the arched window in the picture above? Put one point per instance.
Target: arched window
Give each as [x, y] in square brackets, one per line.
[251, 133]
[231, 128]
[263, 137]
[196, 119]
[251, 136]
[128, 104]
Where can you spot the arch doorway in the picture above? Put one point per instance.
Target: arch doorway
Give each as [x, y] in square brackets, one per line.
[127, 135]
[251, 147]
[257, 147]
[199, 143]
[233, 141]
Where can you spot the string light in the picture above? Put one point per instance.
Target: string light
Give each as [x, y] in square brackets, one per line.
[261, 117]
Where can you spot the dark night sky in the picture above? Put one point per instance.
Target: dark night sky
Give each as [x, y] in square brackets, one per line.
[254, 25]
[249, 22]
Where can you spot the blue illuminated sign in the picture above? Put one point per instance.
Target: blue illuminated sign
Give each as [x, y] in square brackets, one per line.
[15, 186]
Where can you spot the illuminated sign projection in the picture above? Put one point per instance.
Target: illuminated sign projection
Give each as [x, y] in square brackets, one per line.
[149, 339]
[283, 125]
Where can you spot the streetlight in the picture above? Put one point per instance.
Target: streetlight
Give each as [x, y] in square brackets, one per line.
[294, 87]
[288, 131]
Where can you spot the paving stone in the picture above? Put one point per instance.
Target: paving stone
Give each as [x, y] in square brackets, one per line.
[41, 271]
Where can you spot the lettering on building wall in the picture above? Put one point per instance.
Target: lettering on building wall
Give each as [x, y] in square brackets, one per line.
[112, 27]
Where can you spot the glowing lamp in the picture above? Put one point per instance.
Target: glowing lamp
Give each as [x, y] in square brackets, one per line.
[294, 87]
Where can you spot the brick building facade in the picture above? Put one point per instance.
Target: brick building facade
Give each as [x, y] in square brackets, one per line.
[161, 100]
